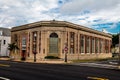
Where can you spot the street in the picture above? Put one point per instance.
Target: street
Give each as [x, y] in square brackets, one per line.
[33, 71]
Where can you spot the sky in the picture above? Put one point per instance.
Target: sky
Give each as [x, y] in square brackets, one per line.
[96, 14]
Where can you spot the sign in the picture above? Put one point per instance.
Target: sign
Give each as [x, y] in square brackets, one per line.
[66, 49]
[34, 52]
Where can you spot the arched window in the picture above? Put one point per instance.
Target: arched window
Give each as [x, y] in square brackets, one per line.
[53, 43]
[53, 35]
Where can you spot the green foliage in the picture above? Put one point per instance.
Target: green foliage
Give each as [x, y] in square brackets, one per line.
[12, 47]
[115, 39]
[51, 57]
[23, 58]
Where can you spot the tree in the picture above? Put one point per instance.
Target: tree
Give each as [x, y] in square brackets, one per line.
[115, 39]
[12, 47]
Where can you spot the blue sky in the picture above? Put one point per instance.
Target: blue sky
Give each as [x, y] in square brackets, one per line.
[96, 14]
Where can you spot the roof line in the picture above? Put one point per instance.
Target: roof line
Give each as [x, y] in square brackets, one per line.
[61, 24]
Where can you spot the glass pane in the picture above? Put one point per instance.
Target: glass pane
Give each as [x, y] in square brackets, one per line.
[53, 45]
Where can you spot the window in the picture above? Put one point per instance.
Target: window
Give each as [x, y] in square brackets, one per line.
[93, 45]
[103, 46]
[72, 35]
[4, 42]
[88, 44]
[82, 39]
[23, 41]
[106, 46]
[96, 43]
[34, 36]
[1, 33]
[100, 45]
[15, 38]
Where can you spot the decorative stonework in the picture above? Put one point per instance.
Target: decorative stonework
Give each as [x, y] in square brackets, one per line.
[81, 41]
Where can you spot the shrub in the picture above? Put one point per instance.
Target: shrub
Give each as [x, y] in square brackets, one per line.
[23, 58]
[51, 57]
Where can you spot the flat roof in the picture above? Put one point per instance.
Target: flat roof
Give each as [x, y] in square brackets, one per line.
[54, 23]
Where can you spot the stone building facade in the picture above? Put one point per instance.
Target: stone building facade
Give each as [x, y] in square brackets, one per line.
[55, 38]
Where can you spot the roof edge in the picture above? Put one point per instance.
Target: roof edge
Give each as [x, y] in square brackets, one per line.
[65, 23]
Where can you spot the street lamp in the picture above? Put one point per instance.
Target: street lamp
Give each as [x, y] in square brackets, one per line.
[35, 56]
[66, 50]
[34, 45]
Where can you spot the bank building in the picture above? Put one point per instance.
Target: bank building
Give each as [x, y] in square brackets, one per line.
[56, 38]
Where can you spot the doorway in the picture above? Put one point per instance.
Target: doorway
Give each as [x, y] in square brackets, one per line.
[53, 44]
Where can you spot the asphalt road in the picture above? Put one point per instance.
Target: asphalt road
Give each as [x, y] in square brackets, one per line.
[30, 71]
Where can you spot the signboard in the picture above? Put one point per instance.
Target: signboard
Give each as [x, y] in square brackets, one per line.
[66, 49]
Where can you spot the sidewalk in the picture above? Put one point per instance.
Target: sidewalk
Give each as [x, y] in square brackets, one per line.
[1, 58]
[44, 61]
[52, 61]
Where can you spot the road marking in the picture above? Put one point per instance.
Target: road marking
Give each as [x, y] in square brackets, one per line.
[4, 78]
[96, 78]
[5, 65]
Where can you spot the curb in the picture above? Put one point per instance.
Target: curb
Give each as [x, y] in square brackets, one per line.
[38, 61]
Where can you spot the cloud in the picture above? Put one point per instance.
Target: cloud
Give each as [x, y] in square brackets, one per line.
[105, 31]
[90, 13]
[18, 12]
[76, 6]
[113, 26]
[99, 12]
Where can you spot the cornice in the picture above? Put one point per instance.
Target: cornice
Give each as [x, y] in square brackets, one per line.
[58, 24]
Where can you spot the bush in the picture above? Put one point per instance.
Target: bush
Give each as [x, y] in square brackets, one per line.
[23, 58]
[51, 57]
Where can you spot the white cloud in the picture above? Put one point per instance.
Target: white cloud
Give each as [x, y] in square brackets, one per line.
[83, 12]
[106, 10]
[23, 10]
[105, 31]
[113, 26]
[76, 6]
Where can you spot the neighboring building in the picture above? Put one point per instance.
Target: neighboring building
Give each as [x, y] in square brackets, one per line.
[115, 51]
[4, 41]
[49, 38]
